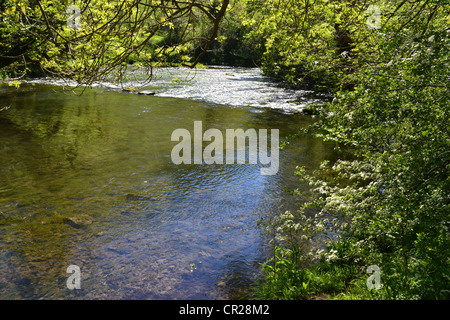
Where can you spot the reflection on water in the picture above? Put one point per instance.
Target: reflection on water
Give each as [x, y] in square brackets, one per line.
[88, 180]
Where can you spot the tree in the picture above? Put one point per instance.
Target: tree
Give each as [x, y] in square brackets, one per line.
[87, 41]
[387, 205]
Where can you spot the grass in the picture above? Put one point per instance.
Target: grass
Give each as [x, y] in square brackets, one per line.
[332, 280]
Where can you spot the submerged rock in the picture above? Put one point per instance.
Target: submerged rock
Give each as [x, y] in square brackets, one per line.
[135, 197]
[192, 267]
[73, 224]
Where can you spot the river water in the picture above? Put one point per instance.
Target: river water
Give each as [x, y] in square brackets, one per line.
[88, 180]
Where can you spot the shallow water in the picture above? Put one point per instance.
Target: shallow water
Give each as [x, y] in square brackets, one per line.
[88, 180]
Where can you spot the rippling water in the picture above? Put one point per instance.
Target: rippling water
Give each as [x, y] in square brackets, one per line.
[88, 180]
[221, 85]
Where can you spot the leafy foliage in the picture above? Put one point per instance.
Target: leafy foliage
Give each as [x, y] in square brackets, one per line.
[390, 205]
[41, 37]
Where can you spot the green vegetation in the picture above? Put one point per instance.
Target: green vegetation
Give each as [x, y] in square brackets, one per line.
[387, 204]
[93, 40]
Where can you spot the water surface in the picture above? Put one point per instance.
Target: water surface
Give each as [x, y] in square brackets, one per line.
[88, 180]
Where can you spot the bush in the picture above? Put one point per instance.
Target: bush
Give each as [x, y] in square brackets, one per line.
[389, 206]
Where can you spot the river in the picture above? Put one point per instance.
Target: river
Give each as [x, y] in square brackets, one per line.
[88, 180]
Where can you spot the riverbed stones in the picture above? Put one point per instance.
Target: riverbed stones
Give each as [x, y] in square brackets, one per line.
[77, 222]
[147, 92]
[129, 89]
[142, 92]
[136, 197]
[192, 267]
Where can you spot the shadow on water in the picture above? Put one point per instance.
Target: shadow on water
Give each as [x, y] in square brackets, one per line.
[88, 180]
